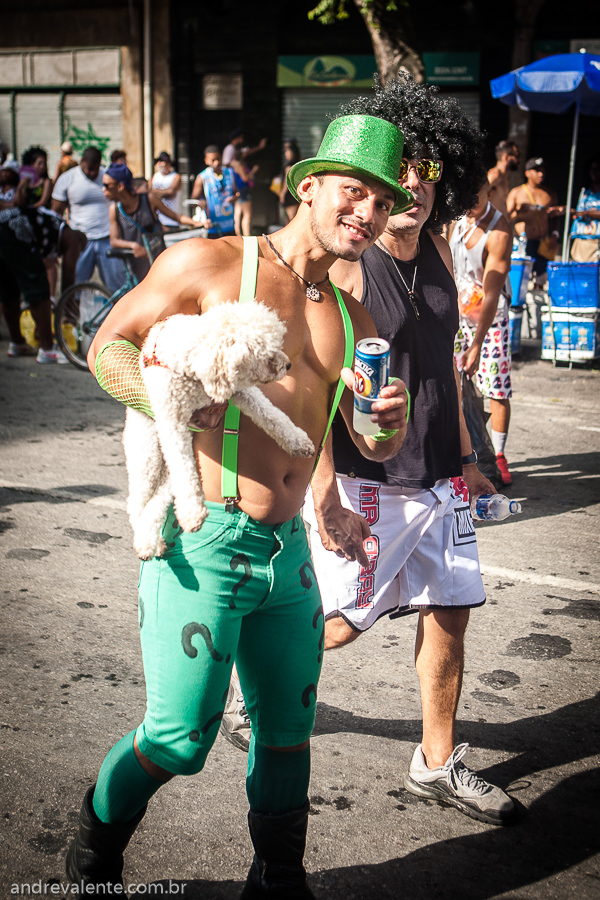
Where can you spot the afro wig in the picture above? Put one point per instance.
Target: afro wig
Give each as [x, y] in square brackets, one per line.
[434, 128]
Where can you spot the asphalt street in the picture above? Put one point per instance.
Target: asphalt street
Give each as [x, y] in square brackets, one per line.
[72, 681]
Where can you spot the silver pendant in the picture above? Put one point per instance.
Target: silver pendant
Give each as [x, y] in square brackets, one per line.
[313, 293]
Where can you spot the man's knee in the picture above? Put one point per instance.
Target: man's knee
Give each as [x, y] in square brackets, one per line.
[451, 622]
[338, 633]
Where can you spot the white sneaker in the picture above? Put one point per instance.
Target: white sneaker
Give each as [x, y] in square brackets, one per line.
[457, 785]
[48, 357]
[20, 350]
[235, 724]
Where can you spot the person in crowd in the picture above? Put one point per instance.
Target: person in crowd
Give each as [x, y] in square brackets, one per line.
[134, 223]
[508, 159]
[235, 155]
[166, 184]
[291, 154]
[118, 158]
[530, 207]
[80, 191]
[392, 536]
[237, 148]
[216, 189]
[585, 231]
[481, 244]
[37, 195]
[190, 637]
[66, 160]
[22, 271]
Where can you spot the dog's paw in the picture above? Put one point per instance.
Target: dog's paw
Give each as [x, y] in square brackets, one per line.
[191, 518]
[146, 551]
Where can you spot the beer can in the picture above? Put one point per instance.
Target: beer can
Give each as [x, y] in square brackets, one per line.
[371, 374]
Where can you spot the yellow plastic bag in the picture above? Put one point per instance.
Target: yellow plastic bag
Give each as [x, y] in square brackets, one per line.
[28, 328]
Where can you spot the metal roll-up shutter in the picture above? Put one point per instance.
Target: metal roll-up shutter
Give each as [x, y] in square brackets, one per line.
[306, 114]
[37, 123]
[94, 120]
[6, 136]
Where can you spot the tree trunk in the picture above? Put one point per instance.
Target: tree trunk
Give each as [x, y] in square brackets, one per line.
[392, 37]
[526, 13]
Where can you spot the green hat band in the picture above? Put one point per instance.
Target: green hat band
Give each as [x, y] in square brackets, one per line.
[363, 145]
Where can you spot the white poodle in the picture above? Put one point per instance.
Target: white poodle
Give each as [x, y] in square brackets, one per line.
[189, 362]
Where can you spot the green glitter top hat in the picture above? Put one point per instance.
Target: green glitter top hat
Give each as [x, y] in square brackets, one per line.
[364, 145]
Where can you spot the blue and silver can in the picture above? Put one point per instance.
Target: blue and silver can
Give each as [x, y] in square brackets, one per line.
[371, 374]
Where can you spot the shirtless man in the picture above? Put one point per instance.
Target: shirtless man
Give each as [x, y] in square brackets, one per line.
[507, 160]
[271, 622]
[529, 208]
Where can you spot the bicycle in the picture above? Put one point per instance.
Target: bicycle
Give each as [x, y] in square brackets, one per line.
[83, 307]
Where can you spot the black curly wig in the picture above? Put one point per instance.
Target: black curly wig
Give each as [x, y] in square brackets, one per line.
[434, 128]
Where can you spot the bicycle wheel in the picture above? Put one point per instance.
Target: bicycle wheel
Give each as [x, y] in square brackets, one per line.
[79, 313]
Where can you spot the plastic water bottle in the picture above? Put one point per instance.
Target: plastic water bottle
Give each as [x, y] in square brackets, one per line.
[521, 251]
[493, 507]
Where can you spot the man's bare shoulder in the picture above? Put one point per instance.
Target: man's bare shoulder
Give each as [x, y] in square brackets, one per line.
[443, 248]
[347, 276]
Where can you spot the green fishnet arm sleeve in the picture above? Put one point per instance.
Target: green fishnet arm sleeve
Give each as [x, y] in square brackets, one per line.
[118, 373]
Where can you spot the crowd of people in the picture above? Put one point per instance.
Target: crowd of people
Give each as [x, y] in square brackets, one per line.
[396, 229]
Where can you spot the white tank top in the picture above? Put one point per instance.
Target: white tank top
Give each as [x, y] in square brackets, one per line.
[469, 262]
[162, 182]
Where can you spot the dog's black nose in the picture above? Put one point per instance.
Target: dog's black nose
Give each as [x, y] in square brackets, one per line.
[289, 366]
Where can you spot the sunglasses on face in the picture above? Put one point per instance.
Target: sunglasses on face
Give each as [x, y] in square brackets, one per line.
[429, 171]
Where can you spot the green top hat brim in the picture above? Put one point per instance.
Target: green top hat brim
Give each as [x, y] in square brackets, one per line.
[404, 198]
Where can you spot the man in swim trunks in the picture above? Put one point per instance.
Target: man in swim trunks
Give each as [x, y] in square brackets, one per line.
[243, 588]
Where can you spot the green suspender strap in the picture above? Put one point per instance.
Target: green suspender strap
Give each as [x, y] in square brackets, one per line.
[231, 429]
[348, 361]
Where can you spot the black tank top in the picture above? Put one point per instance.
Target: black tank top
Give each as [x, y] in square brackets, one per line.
[422, 354]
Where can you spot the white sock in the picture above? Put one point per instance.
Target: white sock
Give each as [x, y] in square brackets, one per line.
[499, 441]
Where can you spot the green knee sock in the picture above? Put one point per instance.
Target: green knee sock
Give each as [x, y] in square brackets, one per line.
[123, 786]
[276, 782]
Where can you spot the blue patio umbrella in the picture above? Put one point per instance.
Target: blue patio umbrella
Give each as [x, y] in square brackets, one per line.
[554, 84]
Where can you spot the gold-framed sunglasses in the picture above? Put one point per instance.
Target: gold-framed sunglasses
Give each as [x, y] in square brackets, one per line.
[429, 171]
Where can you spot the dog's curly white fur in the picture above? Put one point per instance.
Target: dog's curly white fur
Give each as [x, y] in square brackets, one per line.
[189, 362]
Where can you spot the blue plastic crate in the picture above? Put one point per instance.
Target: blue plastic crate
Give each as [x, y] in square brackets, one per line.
[515, 321]
[519, 275]
[574, 285]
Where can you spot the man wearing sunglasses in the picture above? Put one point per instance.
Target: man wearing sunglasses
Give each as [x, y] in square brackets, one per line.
[402, 538]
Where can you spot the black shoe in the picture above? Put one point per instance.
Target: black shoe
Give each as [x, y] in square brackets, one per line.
[95, 856]
[277, 871]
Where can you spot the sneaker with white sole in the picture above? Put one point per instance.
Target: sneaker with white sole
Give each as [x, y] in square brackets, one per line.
[503, 467]
[20, 350]
[235, 724]
[457, 785]
[48, 357]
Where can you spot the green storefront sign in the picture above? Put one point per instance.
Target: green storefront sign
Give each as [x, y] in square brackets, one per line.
[452, 68]
[326, 71]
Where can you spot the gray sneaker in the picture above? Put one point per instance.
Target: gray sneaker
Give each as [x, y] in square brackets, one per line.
[457, 785]
[235, 724]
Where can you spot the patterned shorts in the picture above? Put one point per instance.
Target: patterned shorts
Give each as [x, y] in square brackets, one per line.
[494, 373]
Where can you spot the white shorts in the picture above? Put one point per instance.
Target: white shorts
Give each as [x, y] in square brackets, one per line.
[495, 364]
[422, 552]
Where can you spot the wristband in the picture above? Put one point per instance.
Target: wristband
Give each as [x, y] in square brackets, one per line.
[471, 458]
[384, 434]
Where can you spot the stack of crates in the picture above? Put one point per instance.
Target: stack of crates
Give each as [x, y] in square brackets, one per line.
[574, 314]
[519, 275]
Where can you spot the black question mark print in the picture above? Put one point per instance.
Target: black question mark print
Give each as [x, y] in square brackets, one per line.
[310, 689]
[186, 640]
[318, 613]
[142, 612]
[178, 531]
[240, 559]
[305, 579]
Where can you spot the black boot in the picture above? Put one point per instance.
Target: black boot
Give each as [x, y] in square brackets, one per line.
[95, 856]
[277, 871]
